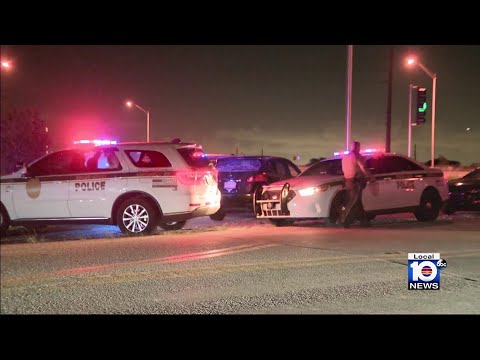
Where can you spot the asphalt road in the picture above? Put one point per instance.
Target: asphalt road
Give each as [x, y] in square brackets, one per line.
[241, 266]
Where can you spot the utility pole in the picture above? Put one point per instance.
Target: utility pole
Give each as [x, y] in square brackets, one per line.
[349, 96]
[388, 138]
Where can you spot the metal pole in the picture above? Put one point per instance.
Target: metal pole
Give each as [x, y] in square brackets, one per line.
[410, 120]
[433, 118]
[148, 126]
[388, 136]
[349, 95]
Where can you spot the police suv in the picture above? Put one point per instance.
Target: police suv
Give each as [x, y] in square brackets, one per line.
[135, 186]
[401, 185]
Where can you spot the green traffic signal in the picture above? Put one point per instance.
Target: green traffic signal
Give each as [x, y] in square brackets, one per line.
[423, 108]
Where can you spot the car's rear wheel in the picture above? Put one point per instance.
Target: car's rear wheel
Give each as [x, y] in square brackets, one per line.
[219, 215]
[430, 204]
[137, 216]
[337, 208]
[282, 222]
[173, 225]
[4, 222]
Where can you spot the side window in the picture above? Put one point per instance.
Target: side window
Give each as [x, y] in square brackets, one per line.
[397, 163]
[281, 169]
[293, 170]
[148, 158]
[57, 163]
[101, 160]
[377, 165]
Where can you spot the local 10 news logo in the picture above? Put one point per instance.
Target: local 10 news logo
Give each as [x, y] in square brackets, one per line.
[424, 271]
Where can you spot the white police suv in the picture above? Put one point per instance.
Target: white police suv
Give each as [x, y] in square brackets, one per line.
[135, 186]
[401, 185]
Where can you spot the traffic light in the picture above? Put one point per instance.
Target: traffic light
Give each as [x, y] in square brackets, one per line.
[421, 106]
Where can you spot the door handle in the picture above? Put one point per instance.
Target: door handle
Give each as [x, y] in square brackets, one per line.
[8, 188]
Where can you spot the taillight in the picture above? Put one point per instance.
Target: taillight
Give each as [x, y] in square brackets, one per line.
[188, 178]
[258, 178]
[196, 177]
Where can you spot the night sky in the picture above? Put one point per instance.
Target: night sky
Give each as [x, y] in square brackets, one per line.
[288, 100]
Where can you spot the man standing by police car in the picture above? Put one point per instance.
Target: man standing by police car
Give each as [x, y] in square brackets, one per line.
[356, 177]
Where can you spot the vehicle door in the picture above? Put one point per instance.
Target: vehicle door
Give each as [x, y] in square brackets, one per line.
[409, 179]
[95, 183]
[381, 193]
[44, 193]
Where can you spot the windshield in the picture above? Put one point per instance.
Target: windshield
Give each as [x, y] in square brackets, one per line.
[238, 165]
[475, 174]
[325, 167]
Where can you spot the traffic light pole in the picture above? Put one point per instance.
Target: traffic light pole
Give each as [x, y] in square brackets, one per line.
[411, 87]
[433, 118]
[434, 77]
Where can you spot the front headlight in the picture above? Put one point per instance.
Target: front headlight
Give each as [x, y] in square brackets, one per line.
[313, 190]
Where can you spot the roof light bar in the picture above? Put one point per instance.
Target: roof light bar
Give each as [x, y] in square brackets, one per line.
[96, 142]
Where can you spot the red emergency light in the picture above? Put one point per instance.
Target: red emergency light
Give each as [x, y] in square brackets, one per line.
[366, 151]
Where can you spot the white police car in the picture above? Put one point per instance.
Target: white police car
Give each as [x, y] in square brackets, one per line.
[135, 186]
[401, 185]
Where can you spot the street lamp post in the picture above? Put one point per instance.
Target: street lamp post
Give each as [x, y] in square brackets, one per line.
[349, 96]
[433, 76]
[130, 104]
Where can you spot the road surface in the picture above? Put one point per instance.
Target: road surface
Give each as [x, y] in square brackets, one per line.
[241, 266]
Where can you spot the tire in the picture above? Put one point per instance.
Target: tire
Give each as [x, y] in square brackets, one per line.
[144, 224]
[219, 215]
[174, 225]
[337, 207]
[282, 222]
[430, 204]
[4, 222]
[371, 217]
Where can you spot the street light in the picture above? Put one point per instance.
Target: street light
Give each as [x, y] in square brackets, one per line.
[412, 61]
[6, 65]
[130, 104]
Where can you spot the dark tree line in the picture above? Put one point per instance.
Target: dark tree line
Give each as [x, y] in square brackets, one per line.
[23, 138]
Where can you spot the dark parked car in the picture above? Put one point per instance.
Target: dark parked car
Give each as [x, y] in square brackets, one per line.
[239, 177]
[464, 193]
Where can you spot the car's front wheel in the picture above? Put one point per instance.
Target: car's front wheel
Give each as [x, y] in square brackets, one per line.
[4, 222]
[137, 216]
[173, 225]
[430, 204]
[337, 208]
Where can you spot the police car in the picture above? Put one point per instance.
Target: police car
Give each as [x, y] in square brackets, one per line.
[401, 185]
[135, 186]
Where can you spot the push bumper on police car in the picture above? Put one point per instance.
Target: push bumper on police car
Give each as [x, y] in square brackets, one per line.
[290, 201]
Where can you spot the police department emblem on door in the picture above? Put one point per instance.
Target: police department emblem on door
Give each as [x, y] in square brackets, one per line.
[33, 188]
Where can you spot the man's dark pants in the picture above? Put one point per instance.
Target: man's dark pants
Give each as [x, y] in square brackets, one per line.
[354, 207]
